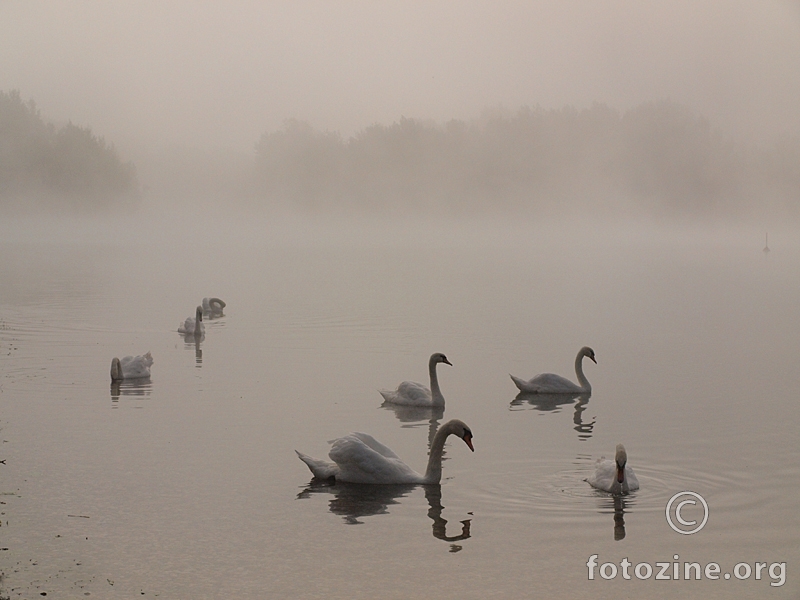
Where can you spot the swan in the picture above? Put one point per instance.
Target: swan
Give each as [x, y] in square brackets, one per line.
[614, 476]
[131, 367]
[213, 306]
[360, 458]
[410, 393]
[549, 383]
[193, 326]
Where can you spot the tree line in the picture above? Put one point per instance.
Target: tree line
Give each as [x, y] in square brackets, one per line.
[658, 157]
[42, 165]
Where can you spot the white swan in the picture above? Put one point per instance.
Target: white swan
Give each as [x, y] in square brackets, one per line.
[360, 458]
[614, 476]
[131, 367]
[549, 383]
[410, 393]
[193, 326]
[213, 306]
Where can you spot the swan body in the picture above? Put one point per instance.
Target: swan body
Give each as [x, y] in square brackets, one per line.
[410, 393]
[614, 476]
[193, 326]
[213, 306]
[549, 383]
[131, 367]
[360, 458]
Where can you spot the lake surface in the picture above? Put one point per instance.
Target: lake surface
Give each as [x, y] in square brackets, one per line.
[187, 485]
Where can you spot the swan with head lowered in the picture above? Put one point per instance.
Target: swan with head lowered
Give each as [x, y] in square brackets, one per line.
[550, 383]
[213, 306]
[193, 326]
[411, 393]
[131, 367]
[614, 476]
[360, 458]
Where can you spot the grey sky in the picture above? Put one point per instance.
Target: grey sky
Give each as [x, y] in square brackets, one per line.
[219, 74]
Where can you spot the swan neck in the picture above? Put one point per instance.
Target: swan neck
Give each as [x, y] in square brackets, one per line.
[116, 370]
[433, 474]
[436, 393]
[584, 383]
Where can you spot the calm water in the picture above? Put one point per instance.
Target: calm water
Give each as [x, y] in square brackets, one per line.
[187, 486]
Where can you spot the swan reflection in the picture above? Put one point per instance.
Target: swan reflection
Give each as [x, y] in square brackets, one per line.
[616, 505]
[553, 403]
[352, 501]
[414, 416]
[190, 341]
[433, 493]
[129, 387]
[584, 429]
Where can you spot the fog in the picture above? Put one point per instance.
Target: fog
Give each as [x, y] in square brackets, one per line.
[365, 183]
[185, 92]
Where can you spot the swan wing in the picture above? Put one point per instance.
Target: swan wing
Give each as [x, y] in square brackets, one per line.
[631, 479]
[604, 476]
[136, 366]
[189, 326]
[546, 383]
[369, 461]
[375, 444]
[409, 393]
[553, 384]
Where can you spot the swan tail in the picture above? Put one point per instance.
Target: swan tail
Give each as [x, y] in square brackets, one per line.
[524, 386]
[321, 469]
[388, 395]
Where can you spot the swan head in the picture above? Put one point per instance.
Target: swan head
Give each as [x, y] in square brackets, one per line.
[199, 314]
[460, 429]
[438, 357]
[116, 369]
[589, 353]
[621, 458]
[467, 437]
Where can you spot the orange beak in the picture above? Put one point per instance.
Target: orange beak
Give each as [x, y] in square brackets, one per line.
[468, 441]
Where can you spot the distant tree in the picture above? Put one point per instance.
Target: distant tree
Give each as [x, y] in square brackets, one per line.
[71, 167]
[85, 164]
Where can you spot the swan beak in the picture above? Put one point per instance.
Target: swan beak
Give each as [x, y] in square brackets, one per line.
[447, 362]
[620, 473]
[468, 441]
[593, 360]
